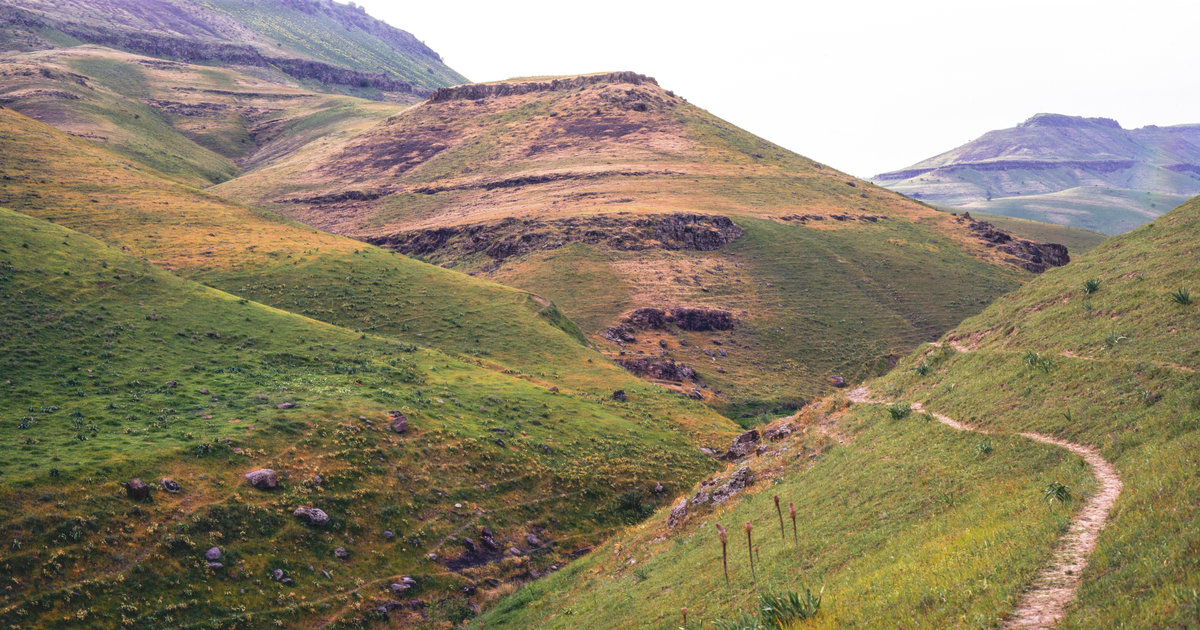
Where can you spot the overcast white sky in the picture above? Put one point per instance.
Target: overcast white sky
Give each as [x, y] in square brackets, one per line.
[865, 86]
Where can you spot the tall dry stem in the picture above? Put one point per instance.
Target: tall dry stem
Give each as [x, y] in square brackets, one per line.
[750, 548]
[779, 511]
[724, 551]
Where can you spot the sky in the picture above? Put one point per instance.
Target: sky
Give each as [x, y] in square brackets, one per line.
[863, 86]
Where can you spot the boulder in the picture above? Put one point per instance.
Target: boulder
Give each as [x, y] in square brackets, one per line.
[313, 516]
[285, 405]
[489, 542]
[215, 565]
[212, 555]
[469, 545]
[620, 396]
[837, 381]
[399, 588]
[137, 489]
[742, 445]
[388, 535]
[277, 574]
[341, 553]
[262, 478]
[532, 540]
[658, 488]
[398, 422]
[678, 513]
[170, 486]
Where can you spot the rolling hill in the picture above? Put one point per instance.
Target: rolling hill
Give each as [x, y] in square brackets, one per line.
[611, 195]
[905, 522]
[1083, 172]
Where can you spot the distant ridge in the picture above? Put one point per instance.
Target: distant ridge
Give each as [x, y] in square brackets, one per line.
[1083, 172]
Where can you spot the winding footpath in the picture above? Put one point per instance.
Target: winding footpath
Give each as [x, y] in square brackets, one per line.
[1046, 602]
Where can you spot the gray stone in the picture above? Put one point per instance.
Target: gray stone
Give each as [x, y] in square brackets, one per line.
[514, 551]
[532, 540]
[341, 552]
[170, 485]
[742, 445]
[285, 405]
[215, 565]
[398, 422]
[137, 489]
[212, 555]
[313, 516]
[469, 545]
[263, 478]
[678, 514]
[388, 535]
[277, 574]
[400, 588]
[738, 480]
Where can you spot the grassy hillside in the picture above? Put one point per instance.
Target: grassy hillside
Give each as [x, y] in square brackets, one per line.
[906, 523]
[1105, 210]
[586, 191]
[115, 369]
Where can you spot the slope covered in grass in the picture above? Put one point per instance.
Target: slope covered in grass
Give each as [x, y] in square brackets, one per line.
[115, 369]
[263, 257]
[900, 523]
[1115, 369]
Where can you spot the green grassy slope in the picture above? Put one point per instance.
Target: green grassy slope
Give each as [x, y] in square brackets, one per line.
[260, 256]
[906, 525]
[115, 369]
[1122, 378]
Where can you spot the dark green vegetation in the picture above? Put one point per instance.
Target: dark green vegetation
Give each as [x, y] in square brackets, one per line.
[1082, 172]
[117, 369]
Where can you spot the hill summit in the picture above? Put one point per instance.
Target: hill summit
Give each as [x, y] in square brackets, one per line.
[1083, 172]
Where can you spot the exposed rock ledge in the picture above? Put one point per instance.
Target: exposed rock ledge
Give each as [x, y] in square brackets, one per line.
[476, 91]
[1028, 255]
[514, 237]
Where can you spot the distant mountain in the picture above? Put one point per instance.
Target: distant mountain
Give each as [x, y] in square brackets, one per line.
[319, 42]
[1082, 172]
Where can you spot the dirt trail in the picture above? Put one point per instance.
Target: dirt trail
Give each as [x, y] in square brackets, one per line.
[1045, 603]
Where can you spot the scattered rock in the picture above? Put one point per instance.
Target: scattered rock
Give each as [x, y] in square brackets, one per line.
[708, 451]
[554, 388]
[738, 480]
[514, 551]
[204, 390]
[778, 433]
[277, 574]
[388, 535]
[313, 516]
[212, 555]
[263, 478]
[287, 581]
[837, 381]
[137, 489]
[399, 588]
[399, 422]
[742, 445]
[469, 545]
[532, 540]
[341, 553]
[762, 448]
[407, 581]
[678, 513]
[316, 480]
[169, 485]
[215, 565]
[286, 405]
[499, 441]
[489, 542]
[619, 396]
[658, 488]
[171, 383]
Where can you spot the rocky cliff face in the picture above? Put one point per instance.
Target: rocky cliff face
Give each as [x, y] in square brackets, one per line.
[513, 237]
[488, 90]
[1028, 255]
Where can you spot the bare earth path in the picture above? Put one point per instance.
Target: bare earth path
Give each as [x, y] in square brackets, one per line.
[1046, 602]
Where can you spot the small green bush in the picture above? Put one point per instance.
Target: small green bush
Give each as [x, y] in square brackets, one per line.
[1182, 296]
[899, 411]
[1091, 286]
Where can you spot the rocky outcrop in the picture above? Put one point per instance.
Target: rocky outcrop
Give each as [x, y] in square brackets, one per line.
[664, 369]
[478, 91]
[1029, 255]
[742, 445]
[513, 237]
